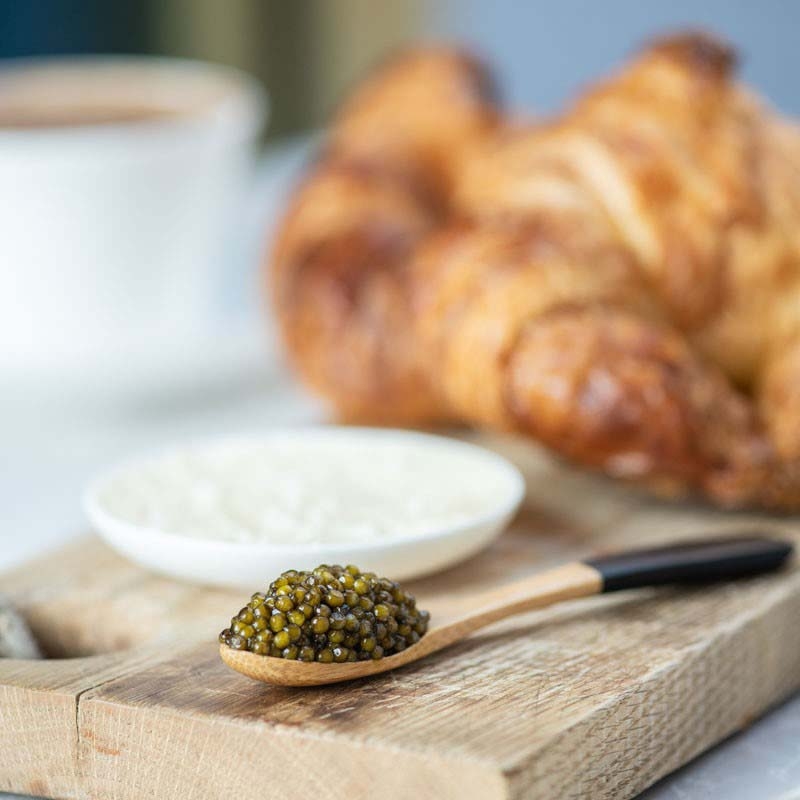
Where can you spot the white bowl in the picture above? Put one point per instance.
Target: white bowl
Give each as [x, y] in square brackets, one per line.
[250, 565]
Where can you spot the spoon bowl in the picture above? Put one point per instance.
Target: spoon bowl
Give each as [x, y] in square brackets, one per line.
[283, 672]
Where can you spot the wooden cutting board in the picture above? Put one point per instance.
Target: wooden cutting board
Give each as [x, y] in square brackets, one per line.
[595, 699]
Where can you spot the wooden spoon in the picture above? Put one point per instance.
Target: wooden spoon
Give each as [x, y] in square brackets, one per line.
[692, 562]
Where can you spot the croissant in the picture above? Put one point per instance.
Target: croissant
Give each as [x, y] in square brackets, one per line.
[620, 284]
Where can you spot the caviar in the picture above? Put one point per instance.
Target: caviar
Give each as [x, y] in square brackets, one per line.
[332, 614]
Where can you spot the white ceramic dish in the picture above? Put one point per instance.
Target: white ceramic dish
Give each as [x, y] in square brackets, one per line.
[252, 565]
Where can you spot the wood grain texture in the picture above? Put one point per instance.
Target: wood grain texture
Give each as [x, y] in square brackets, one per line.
[596, 698]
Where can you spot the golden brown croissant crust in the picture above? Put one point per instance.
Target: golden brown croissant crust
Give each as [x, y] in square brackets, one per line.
[620, 283]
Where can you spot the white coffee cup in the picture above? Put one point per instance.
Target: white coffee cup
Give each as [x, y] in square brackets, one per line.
[118, 177]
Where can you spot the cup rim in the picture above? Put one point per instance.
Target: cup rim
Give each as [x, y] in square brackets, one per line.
[238, 113]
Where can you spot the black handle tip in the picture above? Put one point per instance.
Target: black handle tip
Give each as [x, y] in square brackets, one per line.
[694, 561]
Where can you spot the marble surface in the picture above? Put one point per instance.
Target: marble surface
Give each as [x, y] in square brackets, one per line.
[54, 438]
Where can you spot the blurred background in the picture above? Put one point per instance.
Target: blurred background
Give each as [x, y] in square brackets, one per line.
[61, 425]
[58, 427]
[307, 51]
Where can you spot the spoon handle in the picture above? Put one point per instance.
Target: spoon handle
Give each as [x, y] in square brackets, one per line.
[691, 562]
[697, 561]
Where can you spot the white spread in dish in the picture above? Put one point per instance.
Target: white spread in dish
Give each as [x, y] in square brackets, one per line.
[347, 487]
